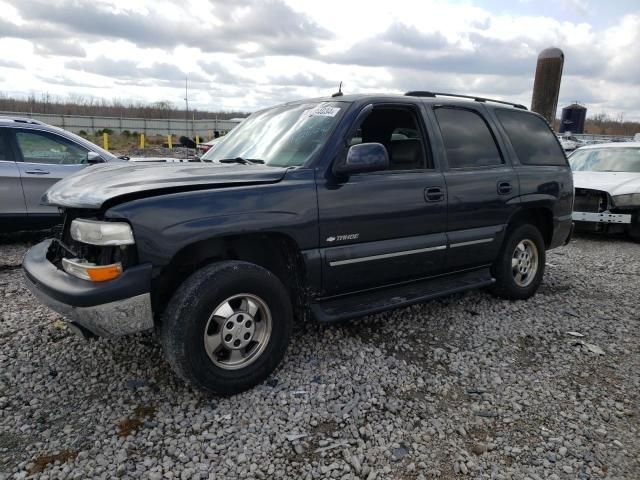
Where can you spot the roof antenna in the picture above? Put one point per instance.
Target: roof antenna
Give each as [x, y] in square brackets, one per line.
[339, 92]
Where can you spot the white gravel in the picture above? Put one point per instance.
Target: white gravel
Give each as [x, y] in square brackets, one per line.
[465, 386]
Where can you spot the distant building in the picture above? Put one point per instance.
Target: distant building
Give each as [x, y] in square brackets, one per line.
[573, 118]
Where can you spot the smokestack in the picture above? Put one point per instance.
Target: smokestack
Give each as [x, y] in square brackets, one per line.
[547, 83]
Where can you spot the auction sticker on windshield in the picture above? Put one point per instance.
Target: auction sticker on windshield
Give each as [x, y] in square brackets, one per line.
[321, 111]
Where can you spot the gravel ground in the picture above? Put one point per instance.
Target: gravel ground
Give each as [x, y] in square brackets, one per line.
[465, 386]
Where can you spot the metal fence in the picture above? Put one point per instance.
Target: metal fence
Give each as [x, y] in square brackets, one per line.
[148, 126]
[588, 137]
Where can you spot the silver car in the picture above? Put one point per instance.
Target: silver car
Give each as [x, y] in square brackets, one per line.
[33, 156]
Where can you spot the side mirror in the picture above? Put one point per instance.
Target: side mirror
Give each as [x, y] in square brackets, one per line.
[361, 158]
[93, 158]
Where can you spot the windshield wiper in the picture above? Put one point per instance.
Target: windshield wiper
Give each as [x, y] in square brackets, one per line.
[243, 161]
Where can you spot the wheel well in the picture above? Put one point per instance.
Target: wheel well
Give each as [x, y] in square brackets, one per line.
[275, 252]
[540, 217]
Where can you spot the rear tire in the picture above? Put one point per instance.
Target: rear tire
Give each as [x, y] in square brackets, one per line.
[227, 327]
[520, 265]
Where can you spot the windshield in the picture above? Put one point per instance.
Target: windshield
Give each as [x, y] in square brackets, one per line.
[606, 160]
[284, 136]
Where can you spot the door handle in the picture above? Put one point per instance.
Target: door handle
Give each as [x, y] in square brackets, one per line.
[504, 188]
[433, 194]
[37, 171]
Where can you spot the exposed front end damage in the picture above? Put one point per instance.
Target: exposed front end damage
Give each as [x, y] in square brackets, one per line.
[108, 309]
[595, 211]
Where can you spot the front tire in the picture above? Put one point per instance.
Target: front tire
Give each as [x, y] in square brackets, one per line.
[227, 327]
[520, 265]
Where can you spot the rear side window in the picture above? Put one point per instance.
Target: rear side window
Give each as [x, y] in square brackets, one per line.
[467, 139]
[531, 137]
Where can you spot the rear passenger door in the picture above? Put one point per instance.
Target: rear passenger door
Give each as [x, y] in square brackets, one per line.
[11, 197]
[482, 188]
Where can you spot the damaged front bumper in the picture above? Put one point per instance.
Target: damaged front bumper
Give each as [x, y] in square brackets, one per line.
[108, 309]
[601, 217]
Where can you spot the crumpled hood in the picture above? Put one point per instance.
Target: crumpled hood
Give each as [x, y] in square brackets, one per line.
[92, 186]
[614, 183]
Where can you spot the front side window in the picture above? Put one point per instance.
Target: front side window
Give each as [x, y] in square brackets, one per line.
[42, 147]
[283, 136]
[619, 159]
[397, 129]
[531, 137]
[467, 139]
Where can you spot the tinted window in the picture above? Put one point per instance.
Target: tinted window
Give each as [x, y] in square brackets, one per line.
[5, 153]
[397, 129]
[40, 147]
[467, 139]
[531, 137]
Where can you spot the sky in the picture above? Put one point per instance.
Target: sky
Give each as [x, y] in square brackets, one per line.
[250, 54]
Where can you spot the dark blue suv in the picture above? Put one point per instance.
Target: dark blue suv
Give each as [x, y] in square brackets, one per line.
[330, 209]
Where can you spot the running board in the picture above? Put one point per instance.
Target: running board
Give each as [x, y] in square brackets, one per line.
[381, 299]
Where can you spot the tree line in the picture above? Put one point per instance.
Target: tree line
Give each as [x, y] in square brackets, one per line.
[92, 106]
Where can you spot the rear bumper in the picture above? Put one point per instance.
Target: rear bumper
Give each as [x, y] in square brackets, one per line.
[108, 309]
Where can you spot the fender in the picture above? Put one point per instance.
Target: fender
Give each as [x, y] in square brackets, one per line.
[288, 207]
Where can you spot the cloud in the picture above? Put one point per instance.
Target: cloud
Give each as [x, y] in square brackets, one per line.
[60, 48]
[222, 75]
[305, 79]
[29, 31]
[10, 64]
[246, 54]
[274, 26]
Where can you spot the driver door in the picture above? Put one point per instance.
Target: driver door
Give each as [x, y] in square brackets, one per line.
[44, 158]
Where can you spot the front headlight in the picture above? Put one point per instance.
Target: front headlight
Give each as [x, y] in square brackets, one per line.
[629, 200]
[101, 233]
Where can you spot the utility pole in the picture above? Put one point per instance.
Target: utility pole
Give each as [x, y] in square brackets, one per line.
[186, 101]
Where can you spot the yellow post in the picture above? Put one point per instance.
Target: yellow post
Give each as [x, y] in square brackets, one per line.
[197, 140]
[170, 141]
[142, 141]
[105, 140]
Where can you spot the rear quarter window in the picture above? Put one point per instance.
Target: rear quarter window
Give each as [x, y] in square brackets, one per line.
[532, 139]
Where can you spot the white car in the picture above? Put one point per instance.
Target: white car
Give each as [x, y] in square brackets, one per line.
[569, 142]
[606, 179]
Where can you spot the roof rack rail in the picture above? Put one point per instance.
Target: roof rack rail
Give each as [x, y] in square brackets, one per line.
[31, 121]
[419, 93]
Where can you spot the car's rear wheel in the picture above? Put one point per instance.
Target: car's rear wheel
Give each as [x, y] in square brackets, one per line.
[520, 265]
[227, 327]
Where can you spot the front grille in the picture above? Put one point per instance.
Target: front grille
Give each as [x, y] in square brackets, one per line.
[587, 200]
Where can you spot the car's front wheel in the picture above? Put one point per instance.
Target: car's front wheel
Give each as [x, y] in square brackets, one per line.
[519, 267]
[227, 327]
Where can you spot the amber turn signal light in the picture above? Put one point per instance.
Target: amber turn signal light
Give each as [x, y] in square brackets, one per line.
[89, 271]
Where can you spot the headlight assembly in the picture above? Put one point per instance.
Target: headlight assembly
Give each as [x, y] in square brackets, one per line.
[629, 200]
[101, 233]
